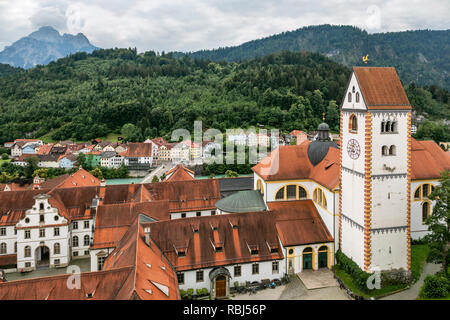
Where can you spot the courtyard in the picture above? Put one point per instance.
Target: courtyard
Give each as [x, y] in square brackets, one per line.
[84, 264]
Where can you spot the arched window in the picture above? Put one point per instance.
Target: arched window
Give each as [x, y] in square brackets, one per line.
[353, 123]
[393, 126]
[3, 248]
[383, 125]
[302, 193]
[319, 197]
[423, 191]
[388, 126]
[15, 247]
[56, 248]
[349, 97]
[27, 251]
[384, 151]
[75, 241]
[308, 249]
[357, 97]
[41, 206]
[280, 194]
[425, 211]
[87, 240]
[353, 89]
[392, 150]
[259, 186]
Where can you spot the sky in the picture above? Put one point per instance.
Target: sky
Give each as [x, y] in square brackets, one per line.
[190, 25]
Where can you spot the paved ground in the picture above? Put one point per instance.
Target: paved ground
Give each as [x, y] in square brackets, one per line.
[295, 290]
[84, 264]
[413, 292]
[315, 279]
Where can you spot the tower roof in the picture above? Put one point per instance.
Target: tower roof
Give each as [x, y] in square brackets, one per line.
[381, 88]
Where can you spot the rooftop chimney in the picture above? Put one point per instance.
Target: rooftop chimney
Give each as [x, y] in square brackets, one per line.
[147, 235]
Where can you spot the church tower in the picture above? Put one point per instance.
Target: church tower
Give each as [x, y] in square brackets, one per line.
[374, 202]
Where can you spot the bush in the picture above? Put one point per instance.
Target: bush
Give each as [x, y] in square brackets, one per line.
[5, 156]
[201, 292]
[190, 293]
[435, 286]
[183, 294]
[349, 266]
[434, 256]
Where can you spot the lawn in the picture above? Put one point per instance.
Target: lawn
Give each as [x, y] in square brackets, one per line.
[348, 281]
[419, 253]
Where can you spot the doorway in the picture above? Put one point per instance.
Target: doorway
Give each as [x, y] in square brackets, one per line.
[221, 286]
[307, 258]
[323, 257]
[42, 257]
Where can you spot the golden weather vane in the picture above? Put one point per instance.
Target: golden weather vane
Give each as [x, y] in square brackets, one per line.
[323, 117]
[365, 58]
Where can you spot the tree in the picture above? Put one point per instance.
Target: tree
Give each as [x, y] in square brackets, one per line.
[231, 174]
[96, 172]
[439, 221]
[131, 132]
[32, 165]
[4, 156]
[81, 159]
[42, 173]
[5, 177]
[155, 178]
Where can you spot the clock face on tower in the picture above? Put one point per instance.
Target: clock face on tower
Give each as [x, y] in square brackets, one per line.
[353, 149]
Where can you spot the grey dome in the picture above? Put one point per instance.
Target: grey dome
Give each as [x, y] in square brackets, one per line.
[323, 127]
[317, 150]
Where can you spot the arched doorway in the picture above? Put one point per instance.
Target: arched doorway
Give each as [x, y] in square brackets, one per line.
[220, 278]
[221, 286]
[323, 257]
[42, 257]
[307, 257]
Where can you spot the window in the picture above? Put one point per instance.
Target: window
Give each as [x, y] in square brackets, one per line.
[199, 276]
[27, 264]
[75, 253]
[280, 194]
[392, 150]
[41, 233]
[384, 151]
[255, 268]
[56, 248]
[302, 193]
[27, 234]
[56, 232]
[349, 97]
[15, 247]
[275, 267]
[259, 186]
[291, 192]
[2, 231]
[183, 215]
[213, 212]
[41, 218]
[87, 240]
[237, 271]
[425, 211]
[319, 197]
[3, 248]
[56, 262]
[423, 191]
[353, 123]
[75, 225]
[41, 206]
[75, 241]
[100, 263]
[291, 251]
[353, 89]
[86, 224]
[56, 218]
[393, 126]
[382, 126]
[357, 97]
[27, 251]
[180, 278]
[198, 214]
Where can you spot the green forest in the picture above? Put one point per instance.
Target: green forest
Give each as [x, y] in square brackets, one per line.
[86, 96]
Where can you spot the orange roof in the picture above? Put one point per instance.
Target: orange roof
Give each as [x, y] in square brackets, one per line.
[179, 173]
[292, 162]
[81, 178]
[381, 88]
[44, 149]
[152, 278]
[428, 160]
[299, 223]
[13, 186]
[138, 150]
[195, 236]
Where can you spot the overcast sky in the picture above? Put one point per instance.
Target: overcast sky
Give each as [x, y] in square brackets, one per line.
[188, 25]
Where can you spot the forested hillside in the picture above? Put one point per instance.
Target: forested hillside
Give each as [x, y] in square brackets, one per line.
[90, 95]
[419, 56]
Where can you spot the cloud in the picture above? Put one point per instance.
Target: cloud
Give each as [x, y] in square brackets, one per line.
[188, 25]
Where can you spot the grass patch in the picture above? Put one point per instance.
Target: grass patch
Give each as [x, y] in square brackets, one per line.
[348, 281]
[419, 253]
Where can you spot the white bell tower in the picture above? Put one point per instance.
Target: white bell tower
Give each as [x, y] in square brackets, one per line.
[374, 202]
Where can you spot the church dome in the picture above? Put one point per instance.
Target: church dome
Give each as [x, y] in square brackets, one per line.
[317, 150]
[323, 127]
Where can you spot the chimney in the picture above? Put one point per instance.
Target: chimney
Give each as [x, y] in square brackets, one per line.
[147, 235]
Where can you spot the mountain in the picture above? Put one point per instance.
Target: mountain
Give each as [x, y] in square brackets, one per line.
[87, 96]
[43, 46]
[420, 56]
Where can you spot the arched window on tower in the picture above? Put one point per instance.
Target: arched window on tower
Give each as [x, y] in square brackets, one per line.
[349, 97]
[353, 123]
[384, 151]
[387, 127]
[357, 97]
[383, 125]
[392, 150]
[393, 126]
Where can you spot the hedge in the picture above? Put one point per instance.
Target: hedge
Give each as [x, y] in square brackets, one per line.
[349, 266]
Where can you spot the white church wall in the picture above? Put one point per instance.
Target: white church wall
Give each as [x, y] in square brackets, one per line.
[389, 250]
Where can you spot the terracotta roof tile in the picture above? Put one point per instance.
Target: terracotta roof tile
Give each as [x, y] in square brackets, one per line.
[138, 150]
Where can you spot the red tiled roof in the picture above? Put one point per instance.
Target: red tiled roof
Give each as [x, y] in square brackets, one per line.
[179, 235]
[179, 173]
[138, 150]
[381, 88]
[8, 260]
[81, 178]
[428, 160]
[299, 223]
